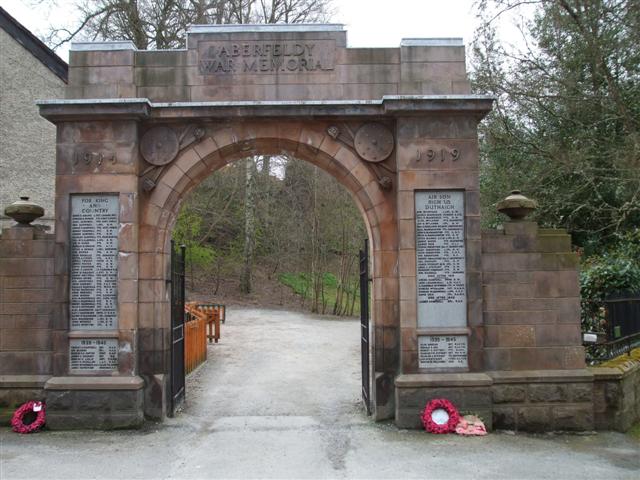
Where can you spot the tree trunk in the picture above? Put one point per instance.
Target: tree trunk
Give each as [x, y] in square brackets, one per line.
[316, 275]
[266, 165]
[249, 227]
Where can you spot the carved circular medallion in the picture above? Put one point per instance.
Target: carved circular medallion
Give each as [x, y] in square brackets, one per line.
[159, 146]
[373, 142]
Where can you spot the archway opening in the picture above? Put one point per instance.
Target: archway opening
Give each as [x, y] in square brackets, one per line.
[220, 148]
[276, 240]
[272, 231]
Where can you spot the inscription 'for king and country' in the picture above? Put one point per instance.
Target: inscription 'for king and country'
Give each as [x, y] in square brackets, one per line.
[94, 262]
[265, 57]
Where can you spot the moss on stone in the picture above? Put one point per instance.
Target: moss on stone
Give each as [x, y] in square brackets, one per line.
[634, 432]
[624, 361]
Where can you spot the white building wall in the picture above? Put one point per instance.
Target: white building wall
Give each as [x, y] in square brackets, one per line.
[27, 141]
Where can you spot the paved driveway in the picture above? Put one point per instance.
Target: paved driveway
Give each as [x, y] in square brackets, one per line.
[279, 398]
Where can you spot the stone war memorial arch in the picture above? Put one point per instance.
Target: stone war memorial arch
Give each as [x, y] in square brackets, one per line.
[489, 320]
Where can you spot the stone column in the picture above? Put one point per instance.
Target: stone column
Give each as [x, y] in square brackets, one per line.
[97, 159]
[440, 154]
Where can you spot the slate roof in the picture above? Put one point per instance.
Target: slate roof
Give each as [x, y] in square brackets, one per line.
[34, 45]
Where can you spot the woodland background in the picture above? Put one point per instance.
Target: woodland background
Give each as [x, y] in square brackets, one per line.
[565, 131]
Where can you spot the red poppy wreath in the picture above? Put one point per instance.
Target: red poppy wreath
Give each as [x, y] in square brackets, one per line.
[440, 416]
[28, 418]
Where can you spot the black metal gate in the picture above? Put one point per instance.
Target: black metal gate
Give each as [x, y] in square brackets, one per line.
[177, 327]
[364, 325]
[622, 312]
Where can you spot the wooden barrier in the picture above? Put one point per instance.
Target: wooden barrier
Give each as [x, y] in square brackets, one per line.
[200, 317]
[215, 314]
[195, 339]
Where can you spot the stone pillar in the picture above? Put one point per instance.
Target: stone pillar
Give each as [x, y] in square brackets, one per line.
[531, 299]
[96, 159]
[439, 153]
[26, 334]
[101, 70]
[533, 342]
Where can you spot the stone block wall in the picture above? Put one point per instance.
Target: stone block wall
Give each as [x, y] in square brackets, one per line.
[417, 67]
[617, 392]
[469, 392]
[531, 299]
[94, 403]
[27, 291]
[539, 400]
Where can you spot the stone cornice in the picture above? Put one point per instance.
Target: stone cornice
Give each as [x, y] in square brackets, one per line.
[141, 108]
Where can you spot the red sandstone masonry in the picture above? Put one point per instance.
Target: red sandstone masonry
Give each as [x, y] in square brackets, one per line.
[27, 293]
[531, 299]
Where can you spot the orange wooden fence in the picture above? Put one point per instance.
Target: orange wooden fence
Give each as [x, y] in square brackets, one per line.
[215, 314]
[195, 339]
[200, 317]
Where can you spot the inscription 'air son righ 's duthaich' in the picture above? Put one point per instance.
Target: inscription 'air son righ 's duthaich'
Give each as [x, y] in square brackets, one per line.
[441, 277]
[263, 57]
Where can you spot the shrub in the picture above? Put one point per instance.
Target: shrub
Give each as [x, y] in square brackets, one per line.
[615, 271]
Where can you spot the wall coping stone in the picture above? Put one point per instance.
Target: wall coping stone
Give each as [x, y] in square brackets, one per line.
[618, 367]
[23, 381]
[261, 27]
[432, 42]
[606, 373]
[541, 376]
[102, 46]
[94, 383]
[412, 380]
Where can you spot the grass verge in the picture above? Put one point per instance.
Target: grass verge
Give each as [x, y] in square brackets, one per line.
[301, 285]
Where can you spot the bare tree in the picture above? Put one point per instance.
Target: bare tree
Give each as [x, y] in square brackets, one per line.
[161, 24]
[249, 225]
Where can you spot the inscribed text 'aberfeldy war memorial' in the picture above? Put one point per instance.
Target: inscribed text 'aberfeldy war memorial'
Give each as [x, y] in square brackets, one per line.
[489, 320]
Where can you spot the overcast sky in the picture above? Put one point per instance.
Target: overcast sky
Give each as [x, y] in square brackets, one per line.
[370, 23]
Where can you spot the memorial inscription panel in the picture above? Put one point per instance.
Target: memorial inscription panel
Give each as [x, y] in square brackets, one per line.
[440, 259]
[93, 354]
[94, 262]
[270, 57]
[442, 351]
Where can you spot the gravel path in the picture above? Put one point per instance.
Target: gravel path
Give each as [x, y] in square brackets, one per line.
[279, 398]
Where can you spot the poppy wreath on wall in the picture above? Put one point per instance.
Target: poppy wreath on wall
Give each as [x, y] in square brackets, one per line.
[440, 416]
[28, 418]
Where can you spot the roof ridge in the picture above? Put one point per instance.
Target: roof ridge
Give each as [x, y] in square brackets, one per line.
[34, 45]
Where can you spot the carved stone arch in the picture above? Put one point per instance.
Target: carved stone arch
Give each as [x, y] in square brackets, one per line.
[310, 143]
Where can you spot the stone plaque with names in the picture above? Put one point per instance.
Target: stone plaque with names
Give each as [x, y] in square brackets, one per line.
[93, 354]
[255, 57]
[442, 351]
[440, 259]
[94, 262]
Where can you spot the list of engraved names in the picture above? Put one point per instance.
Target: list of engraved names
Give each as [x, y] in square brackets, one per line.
[93, 354]
[94, 262]
[440, 259]
[442, 351]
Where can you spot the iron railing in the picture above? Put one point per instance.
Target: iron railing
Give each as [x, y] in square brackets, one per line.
[622, 315]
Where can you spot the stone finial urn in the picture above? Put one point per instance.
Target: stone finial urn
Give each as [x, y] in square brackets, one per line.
[516, 206]
[23, 211]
